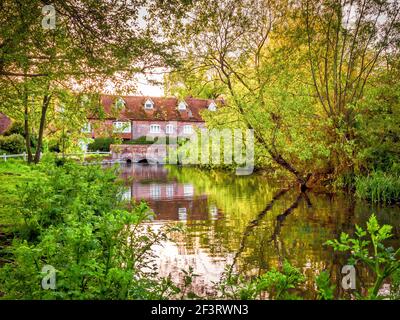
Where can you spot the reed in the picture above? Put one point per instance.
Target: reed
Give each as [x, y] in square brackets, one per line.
[378, 187]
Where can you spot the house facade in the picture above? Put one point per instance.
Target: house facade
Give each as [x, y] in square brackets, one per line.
[133, 117]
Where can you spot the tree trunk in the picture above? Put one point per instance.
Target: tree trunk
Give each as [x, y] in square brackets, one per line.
[301, 179]
[45, 105]
[26, 127]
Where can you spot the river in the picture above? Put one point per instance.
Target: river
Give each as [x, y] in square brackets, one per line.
[247, 223]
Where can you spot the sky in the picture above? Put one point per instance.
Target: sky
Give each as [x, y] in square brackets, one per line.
[143, 86]
[148, 89]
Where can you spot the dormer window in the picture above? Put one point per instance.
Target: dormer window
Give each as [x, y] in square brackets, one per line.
[148, 105]
[182, 106]
[212, 106]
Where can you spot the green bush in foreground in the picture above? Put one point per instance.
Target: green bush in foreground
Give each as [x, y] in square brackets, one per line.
[368, 248]
[74, 221]
[277, 283]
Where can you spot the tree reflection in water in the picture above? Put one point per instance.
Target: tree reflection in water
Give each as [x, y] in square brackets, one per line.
[246, 224]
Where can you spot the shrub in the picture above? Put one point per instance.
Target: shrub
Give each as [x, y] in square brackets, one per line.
[368, 248]
[17, 127]
[77, 223]
[140, 140]
[325, 290]
[13, 144]
[378, 187]
[101, 144]
[165, 139]
[54, 146]
[278, 284]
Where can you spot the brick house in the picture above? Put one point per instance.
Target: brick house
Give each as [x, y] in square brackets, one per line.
[132, 117]
[5, 123]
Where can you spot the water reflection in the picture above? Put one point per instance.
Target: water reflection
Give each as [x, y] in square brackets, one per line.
[246, 224]
[169, 199]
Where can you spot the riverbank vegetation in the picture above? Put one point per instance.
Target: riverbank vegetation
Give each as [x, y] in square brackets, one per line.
[76, 223]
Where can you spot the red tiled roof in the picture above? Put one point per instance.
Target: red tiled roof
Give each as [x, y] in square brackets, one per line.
[5, 123]
[164, 109]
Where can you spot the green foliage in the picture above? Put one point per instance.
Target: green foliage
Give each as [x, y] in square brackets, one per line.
[101, 144]
[278, 284]
[140, 140]
[34, 89]
[160, 140]
[378, 187]
[313, 110]
[54, 146]
[12, 144]
[16, 127]
[325, 290]
[378, 132]
[368, 248]
[77, 223]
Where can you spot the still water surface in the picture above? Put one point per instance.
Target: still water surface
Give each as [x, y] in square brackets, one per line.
[247, 223]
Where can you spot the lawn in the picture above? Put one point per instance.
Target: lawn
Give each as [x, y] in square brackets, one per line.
[12, 174]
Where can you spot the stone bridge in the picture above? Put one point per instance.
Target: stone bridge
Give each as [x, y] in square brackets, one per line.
[141, 153]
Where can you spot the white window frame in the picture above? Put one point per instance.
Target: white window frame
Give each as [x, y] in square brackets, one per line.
[187, 129]
[149, 102]
[182, 214]
[169, 191]
[122, 127]
[169, 129]
[155, 191]
[188, 190]
[155, 128]
[87, 128]
[182, 106]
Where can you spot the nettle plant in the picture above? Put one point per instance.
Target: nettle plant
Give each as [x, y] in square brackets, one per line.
[369, 249]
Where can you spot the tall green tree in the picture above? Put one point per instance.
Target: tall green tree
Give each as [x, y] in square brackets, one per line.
[93, 43]
[295, 72]
[238, 45]
[348, 43]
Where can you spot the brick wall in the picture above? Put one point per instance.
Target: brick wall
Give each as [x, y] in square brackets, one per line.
[5, 123]
[140, 128]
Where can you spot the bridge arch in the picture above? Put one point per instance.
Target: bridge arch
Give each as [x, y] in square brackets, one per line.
[143, 160]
